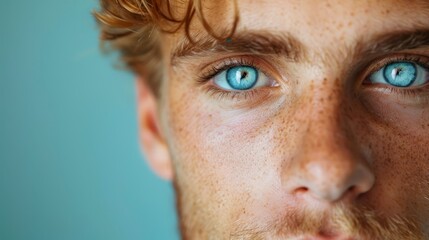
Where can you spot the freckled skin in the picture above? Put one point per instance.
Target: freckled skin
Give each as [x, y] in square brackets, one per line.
[316, 144]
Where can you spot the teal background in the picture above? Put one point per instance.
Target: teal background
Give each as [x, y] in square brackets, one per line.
[70, 164]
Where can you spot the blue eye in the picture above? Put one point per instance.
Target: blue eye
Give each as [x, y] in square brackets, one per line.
[401, 74]
[240, 78]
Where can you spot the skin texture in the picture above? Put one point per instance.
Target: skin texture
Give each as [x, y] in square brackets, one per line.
[320, 152]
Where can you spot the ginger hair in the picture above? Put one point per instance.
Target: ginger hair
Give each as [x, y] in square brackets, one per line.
[134, 27]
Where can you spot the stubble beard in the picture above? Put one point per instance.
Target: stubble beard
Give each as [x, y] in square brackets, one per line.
[359, 222]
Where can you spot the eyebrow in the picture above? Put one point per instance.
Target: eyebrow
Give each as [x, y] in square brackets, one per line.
[245, 42]
[394, 42]
[286, 45]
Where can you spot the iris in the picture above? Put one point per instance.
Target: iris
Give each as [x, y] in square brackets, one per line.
[242, 77]
[400, 74]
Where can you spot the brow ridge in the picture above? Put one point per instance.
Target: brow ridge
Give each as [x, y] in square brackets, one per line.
[252, 42]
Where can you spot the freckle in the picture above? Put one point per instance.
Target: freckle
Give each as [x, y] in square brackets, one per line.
[389, 160]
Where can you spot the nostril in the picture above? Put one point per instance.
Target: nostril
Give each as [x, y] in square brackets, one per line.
[351, 193]
[351, 189]
[301, 190]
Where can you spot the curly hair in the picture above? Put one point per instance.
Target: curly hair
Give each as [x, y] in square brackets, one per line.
[133, 27]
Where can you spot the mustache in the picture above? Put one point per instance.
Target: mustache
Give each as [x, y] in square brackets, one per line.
[359, 223]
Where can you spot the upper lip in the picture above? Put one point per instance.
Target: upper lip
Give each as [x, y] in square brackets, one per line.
[317, 237]
[328, 234]
[328, 237]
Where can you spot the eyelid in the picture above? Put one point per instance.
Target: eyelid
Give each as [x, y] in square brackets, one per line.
[223, 64]
[409, 95]
[421, 60]
[240, 98]
[421, 77]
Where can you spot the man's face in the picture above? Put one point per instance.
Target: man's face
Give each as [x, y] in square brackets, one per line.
[312, 120]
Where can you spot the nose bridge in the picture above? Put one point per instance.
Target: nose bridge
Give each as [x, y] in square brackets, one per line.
[327, 164]
[326, 127]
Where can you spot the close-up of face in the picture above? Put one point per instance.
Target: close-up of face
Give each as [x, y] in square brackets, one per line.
[310, 121]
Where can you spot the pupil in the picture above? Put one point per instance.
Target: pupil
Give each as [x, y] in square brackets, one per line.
[244, 75]
[396, 72]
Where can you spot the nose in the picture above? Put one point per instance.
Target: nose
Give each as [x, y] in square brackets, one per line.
[329, 180]
[328, 165]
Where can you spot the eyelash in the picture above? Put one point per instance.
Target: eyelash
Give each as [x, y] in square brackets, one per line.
[422, 60]
[404, 92]
[229, 63]
[214, 91]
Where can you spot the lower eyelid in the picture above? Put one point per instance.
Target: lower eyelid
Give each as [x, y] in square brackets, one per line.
[242, 99]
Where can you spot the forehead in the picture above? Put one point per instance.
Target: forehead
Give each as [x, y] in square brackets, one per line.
[337, 19]
[316, 23]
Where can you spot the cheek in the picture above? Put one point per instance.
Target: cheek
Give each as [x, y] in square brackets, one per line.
[207, 135]
[231, 158]
[406, 116]
[217, 145]
[399, 147]
[402, 166]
